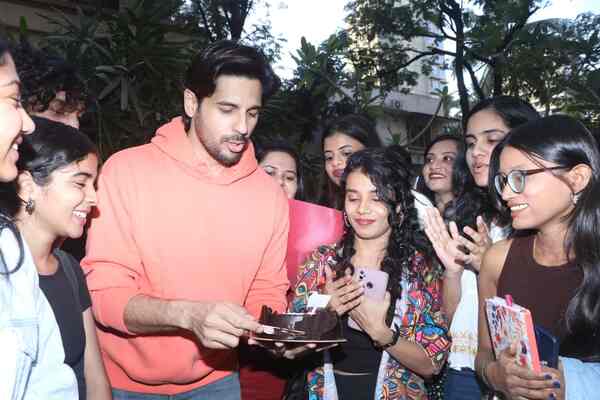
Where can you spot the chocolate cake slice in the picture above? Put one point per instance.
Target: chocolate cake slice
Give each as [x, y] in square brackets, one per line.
[320, 325]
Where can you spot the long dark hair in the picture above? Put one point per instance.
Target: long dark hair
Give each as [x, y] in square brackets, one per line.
[4, 50]
[51, 146]
[389, 170]
[514, 112]
[6, 222]
[468, 201]
[359, 128]
[277, 145]
[566, 142]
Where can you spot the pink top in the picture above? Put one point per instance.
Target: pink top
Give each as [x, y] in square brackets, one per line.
[167, 230]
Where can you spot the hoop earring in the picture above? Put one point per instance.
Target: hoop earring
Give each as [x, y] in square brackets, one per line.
[30, 206]
[346, 220]
[575, 198]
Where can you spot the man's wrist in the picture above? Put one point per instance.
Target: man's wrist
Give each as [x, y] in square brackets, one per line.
[179, 313]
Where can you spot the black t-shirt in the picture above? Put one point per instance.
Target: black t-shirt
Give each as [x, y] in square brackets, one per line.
[357, 355]
[60, 295]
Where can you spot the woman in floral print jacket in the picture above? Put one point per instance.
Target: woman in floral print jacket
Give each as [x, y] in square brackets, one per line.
[398, 347]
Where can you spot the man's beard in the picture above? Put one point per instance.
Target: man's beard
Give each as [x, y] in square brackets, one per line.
[223, 156]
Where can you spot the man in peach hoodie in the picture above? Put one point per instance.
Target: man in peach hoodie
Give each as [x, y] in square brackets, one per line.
[190, 239]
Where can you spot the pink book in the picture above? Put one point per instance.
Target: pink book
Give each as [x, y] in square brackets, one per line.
[509, 323]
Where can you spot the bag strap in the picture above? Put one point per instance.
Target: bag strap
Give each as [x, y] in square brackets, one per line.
[67, 263]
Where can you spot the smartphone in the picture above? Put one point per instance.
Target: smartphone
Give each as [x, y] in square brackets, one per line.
[548, 346]
[374, 283]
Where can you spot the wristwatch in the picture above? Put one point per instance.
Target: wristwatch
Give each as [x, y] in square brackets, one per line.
[395, 337]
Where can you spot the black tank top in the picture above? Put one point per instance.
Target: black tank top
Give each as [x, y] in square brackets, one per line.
[545, 291]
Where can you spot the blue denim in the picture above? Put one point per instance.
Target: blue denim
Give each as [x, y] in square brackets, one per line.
[227, 388]
[581, 379]
[462, 385]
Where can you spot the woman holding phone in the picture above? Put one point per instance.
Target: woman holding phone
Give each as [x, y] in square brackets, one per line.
[402, 338]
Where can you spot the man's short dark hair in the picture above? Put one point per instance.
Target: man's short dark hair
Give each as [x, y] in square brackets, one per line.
[226, 57]
[43, 75]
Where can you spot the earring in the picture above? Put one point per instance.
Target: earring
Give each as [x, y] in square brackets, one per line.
[575, 198]
[30, 206]
[346, 220]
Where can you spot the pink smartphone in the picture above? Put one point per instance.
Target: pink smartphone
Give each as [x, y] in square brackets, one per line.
[375, 284]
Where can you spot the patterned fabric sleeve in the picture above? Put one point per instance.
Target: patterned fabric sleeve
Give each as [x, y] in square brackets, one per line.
[310, 276]
[429, 325]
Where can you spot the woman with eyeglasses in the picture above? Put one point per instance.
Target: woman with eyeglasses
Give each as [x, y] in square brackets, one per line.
[473, 225]
[31, 352]
[551, 266]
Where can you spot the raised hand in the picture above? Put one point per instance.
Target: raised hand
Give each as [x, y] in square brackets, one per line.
[479, 243]
[446, 242]
[345, 292]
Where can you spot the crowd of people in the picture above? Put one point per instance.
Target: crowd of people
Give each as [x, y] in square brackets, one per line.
[187, 238]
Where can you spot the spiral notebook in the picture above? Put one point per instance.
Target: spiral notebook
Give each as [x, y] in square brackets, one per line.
[509, 323]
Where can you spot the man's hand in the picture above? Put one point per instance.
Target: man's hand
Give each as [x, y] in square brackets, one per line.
[218, 325]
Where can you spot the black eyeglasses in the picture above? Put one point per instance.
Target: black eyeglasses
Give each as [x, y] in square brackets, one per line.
[516, 179]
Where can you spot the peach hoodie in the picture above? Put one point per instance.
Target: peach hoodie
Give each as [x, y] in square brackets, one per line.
[167, 230]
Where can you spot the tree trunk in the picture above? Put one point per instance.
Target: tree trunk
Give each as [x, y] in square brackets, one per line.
[459, 63]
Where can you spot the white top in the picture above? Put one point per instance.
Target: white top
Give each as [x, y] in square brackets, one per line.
[32, 363]
[463, 329]
[422, 203]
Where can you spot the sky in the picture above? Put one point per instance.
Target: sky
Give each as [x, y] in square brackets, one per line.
[317, 19]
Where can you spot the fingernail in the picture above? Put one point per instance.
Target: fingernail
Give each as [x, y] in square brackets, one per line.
[556, 384]
[547, 376]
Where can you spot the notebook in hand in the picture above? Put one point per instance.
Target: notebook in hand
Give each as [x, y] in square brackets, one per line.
[510, 323]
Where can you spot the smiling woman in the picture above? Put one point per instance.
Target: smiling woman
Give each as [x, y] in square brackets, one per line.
[14, 121]
[51, 199]
[402, 338]
[550, 189]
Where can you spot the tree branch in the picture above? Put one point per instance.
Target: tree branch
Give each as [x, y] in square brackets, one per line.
[205, 21]
[427, 127]
[474, 80]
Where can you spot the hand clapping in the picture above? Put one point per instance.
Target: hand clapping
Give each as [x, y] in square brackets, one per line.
[454, 250]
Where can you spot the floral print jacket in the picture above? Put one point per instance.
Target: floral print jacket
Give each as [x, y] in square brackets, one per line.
[418, 313]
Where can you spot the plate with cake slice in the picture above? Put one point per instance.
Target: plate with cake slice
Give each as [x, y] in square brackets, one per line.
[320, 326]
